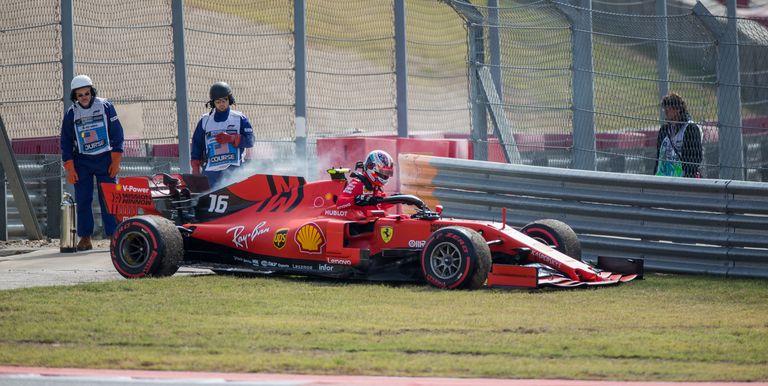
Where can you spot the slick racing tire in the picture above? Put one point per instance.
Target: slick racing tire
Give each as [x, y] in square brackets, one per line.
[456, 257]
[146, 246]
[556, 234]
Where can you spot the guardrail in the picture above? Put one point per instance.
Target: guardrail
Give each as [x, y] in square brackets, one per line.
[674, 224]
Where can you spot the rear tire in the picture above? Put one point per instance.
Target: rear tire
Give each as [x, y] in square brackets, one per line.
[556, 234]
[146, 246]
[456, 257]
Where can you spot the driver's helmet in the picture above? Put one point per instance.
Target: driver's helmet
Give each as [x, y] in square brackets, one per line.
[378, 167]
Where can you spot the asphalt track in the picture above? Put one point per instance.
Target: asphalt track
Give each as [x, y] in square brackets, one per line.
[46, 267]
[27, 376]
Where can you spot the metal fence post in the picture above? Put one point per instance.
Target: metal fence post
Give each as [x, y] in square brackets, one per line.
[583, 93]
[731, 148]
[67, 50]
[300, 59]
[662, 52]
[180, 67]
[3, 207]
[401, 69]
[479, 136]
[494, 46]
[477, 103]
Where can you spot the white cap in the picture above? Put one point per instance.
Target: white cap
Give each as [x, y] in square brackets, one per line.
[80, 81]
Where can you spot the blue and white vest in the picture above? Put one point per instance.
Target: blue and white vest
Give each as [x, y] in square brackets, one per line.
[221, 155]
[91, 128]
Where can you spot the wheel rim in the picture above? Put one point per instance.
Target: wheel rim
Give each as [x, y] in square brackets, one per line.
[134, 249]
[544, 239]
[445, 260]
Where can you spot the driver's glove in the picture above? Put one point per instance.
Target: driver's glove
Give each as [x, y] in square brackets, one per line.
[367, 200]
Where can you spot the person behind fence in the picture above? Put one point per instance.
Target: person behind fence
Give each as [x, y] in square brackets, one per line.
[364, 190]
[91, 147]
[678, 144]
[221, 137]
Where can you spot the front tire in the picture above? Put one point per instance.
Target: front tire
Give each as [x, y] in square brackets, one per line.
[556, 234]
[146, 246]
[456, 257]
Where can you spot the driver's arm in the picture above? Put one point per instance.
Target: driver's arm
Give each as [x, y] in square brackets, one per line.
[347, 197]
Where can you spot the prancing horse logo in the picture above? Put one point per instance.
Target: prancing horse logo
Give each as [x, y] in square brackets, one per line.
[386, 233]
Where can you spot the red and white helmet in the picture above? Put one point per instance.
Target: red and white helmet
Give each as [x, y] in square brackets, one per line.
[378, 167]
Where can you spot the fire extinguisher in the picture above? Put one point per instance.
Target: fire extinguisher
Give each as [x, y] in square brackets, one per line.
[68, 231]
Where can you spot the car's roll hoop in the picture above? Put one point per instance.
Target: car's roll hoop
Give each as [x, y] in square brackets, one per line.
[424, 213]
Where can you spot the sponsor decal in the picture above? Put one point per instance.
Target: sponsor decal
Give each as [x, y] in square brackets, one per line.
[337, 261]
[281, 235]
[241, 240]
[132, 189]
[310, 238]
[325, 268]
[302, 267]
[268, 264]
[416, 243]
[336, 213]
[130, 195]
[546, 259]
[319, 202]
[386, 233]
[434, 281]
[460, 241]
[254, 263]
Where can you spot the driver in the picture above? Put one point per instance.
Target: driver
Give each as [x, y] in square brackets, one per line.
[365, 189]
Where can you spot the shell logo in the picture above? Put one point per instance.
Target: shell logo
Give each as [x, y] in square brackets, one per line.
[310, 238]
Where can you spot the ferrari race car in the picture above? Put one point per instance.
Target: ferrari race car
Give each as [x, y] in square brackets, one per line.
[285, 225]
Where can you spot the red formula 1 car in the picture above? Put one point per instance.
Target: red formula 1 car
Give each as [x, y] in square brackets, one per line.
[282, 224]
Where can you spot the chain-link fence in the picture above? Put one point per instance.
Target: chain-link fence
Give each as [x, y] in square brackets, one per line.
[599, 70]
[31, 75]
[579, 82]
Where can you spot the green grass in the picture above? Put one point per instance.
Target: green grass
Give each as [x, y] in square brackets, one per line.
[663, 328]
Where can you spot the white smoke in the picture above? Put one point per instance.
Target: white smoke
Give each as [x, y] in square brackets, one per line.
[276, 158]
